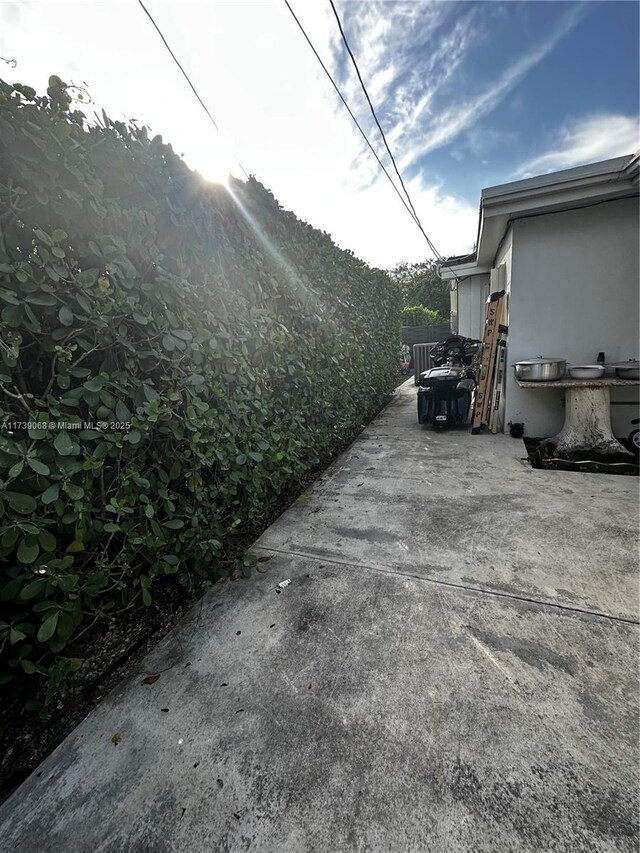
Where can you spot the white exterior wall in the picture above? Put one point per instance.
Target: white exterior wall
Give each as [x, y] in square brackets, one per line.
[505, 256]
[472, 295]
[573, 281]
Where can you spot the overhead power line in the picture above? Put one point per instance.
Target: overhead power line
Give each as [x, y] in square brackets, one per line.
[348, 108]
[373, 112]
[186, 76]
[382, 134]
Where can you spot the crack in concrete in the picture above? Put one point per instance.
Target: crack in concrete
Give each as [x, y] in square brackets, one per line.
[453, 585]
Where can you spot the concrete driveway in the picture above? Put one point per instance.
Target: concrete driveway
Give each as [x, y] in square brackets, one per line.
[453, 668]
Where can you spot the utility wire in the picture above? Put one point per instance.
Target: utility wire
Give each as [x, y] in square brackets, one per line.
[382, 134]
[409, 210]
[349, 110]
[373, 112]
[186, 76]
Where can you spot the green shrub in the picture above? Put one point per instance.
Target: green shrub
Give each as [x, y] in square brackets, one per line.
[420, 284]
[418, 315]
[203, 347]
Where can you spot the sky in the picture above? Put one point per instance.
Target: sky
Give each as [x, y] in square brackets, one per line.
[469, 94]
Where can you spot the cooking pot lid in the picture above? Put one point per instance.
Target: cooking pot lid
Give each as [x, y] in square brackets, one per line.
[541, 360]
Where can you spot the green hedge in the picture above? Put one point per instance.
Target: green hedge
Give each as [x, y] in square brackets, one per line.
[238, 345]
[418, 315]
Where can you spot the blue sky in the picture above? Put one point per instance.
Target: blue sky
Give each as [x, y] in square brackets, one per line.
[470, 95]
[527, 80]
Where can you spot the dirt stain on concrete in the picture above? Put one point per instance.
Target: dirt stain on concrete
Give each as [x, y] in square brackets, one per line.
[532, 653]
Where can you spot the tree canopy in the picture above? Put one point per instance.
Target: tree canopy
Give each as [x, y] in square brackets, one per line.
[420, 284]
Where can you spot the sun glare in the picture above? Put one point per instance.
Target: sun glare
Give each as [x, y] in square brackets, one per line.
[215, 173]
[213, 160]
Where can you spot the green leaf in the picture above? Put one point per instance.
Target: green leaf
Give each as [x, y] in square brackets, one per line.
[63, 444]
[84, 303]
[11, 589]
[174, 524]
[146, 597]
[9, 297]
[12, 316]
[241, 459]
[15, 636]
[95, 384]
[41, 299]
[24, 504]
[31, 590]
[37, 433]
[48, 627]
[58, 235]
[16, 469]
[28, 550]
[10, 537]
[148, 511]
[47, 541]
[51, 494]
[183, 334]
[257, 457]
[75, 547]
[134, 436]
[86, 278]
[38, 467]
[68, 582]
[76, 493]
[65, 315]
[31, 317]
[123, 415]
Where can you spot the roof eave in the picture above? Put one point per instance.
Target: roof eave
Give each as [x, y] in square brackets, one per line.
[460, 271]
[551, 194]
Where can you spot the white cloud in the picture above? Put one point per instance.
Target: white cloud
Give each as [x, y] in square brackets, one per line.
[375, 226]
[445, 127]
[481, 140]
[422, 46]
[590, 139]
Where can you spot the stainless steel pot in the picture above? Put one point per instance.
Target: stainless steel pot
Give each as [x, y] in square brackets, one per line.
[540, 369]
[627, 369]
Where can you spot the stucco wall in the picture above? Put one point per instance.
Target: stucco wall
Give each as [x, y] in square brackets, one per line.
[504, 256]
[472, 294]
[573, 286]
